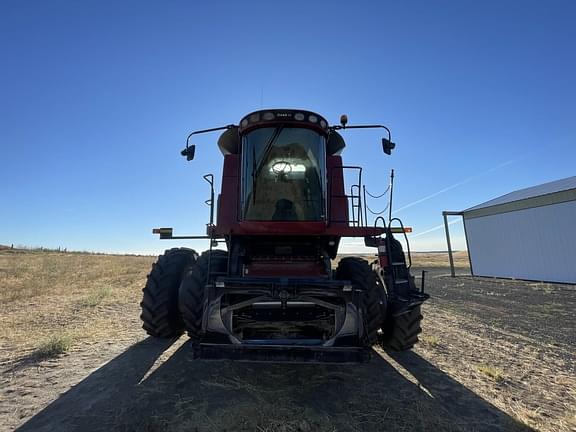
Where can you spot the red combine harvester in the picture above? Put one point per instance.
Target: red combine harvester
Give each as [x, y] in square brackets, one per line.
[282, 211]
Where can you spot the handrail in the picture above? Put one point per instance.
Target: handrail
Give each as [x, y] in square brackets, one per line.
[405, 238]
[210, 202]
[354, 199]
[378, 196]
[373, 212]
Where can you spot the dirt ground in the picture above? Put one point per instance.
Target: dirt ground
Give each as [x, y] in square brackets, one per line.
[494, 355]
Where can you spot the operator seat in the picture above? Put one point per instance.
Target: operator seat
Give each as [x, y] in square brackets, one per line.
[284, 210]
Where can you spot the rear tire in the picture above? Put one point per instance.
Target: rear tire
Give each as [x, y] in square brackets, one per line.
[401, 332]
[373, 305]
[160, 315]
[192, 289]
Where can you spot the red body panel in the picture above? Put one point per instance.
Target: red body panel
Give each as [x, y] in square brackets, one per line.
[337, 202]
[292, 267]
[227, 217]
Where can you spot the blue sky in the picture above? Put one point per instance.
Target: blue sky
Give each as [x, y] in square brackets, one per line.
[98, 97]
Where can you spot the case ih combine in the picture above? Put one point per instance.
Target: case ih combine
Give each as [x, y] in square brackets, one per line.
[282, 212]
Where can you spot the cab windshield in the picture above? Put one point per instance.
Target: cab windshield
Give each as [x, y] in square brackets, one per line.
[283, 175]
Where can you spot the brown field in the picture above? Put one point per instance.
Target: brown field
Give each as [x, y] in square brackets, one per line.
[494, 355]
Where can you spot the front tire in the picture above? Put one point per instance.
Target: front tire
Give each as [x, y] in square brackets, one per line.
[373, 304]
[160, 315]
[192, 289]
[401, 333]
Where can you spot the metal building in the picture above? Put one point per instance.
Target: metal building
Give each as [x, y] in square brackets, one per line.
[527, 234]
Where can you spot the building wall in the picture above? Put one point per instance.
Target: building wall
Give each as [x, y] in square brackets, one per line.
[535, 244]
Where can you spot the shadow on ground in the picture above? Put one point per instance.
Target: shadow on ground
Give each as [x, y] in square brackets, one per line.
[183, 394]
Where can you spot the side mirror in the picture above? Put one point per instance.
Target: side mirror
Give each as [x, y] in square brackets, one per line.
[387, 146]
[189, 152]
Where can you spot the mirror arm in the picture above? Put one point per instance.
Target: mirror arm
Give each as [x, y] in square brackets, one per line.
[230, 126]
[389, 140]
[364, 127]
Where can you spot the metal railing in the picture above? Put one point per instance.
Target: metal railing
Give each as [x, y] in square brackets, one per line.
[357, 198]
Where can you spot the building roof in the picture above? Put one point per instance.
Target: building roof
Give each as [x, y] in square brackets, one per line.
[555, 191]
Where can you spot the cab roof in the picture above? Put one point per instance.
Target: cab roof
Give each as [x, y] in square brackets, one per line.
[229, 141]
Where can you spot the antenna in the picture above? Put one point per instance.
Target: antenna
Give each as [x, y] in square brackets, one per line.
[391, 191]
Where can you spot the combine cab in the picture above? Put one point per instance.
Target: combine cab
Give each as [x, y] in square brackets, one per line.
[273, 293]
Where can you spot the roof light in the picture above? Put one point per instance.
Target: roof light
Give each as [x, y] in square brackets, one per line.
[259, 118]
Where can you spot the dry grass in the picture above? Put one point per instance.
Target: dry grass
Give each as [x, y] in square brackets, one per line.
[430, 340]
[528, 380]
[54, 346]
[50, 293]
[76, 304]
[492, 372]
[97, 296]
[428, 259]
[440, 259]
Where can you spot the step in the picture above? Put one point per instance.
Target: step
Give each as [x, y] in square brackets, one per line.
[401, 281]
